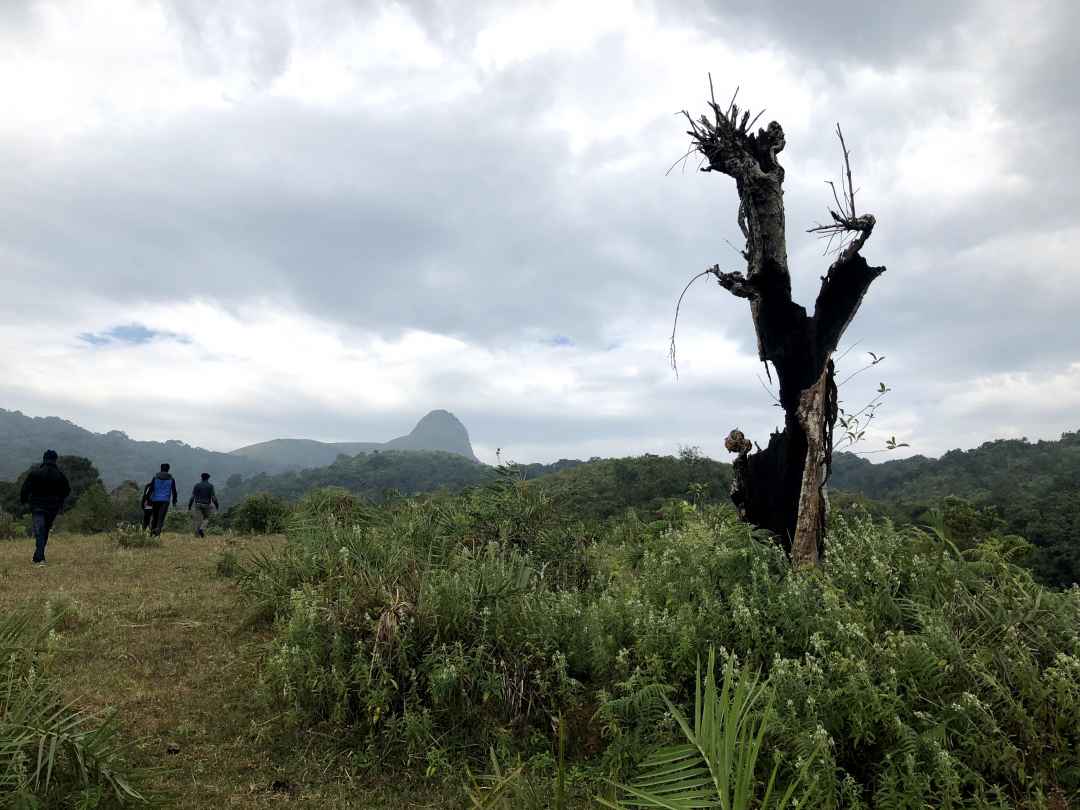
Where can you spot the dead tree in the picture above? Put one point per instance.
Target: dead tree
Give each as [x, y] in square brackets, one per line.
[783, 487]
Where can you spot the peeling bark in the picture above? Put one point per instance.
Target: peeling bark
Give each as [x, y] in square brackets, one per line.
[816, 414]
[783, 487]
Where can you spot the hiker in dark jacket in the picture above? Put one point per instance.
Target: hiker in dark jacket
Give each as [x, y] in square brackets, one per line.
[205, 501]
[45, 490]
[147, 507]
[162, 490]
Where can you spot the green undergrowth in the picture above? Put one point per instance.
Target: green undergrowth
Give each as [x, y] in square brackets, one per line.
[429, 632]
[52, 753]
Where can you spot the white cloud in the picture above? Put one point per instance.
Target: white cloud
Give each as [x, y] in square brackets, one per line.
[358, 212]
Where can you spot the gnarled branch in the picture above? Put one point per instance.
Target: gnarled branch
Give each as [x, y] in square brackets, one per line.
[735, 283]
[849, 277]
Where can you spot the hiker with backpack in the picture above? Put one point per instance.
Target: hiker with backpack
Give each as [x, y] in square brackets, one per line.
[162, 490]
[45, 490]
[204, 500]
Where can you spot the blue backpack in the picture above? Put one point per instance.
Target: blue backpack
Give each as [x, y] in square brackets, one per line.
[162, 489]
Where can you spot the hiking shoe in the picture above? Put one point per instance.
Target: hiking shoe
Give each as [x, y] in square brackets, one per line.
[39, 563]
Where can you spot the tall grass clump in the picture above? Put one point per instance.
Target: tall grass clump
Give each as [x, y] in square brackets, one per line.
[909, 673]
[51, 753]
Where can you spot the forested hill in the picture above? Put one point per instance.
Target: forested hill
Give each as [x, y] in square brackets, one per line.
[1033, 487]
[117, 457]
[1006, 471]
[438, 430]
[370, 475]
[120, 458]
[602, 488]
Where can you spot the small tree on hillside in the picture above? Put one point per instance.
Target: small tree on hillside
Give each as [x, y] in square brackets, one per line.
[782, 488]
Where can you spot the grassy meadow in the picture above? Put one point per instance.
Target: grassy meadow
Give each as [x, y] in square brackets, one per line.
[159, 637]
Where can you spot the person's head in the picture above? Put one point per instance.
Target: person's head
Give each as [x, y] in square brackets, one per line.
[164, 467]
[49, 457]
[206, 476]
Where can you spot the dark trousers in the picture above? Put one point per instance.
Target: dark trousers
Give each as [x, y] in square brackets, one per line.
[147, 514]
[43, 523]
[157, 521]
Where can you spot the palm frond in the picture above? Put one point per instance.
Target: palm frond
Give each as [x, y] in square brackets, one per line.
[717, 765]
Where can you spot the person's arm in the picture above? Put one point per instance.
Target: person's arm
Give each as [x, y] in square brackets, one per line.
[175, 494]
[27, 489]
[213, 497]
[191, 502]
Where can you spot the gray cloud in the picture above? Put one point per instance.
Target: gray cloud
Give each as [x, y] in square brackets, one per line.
[836, 33]
[474, 215]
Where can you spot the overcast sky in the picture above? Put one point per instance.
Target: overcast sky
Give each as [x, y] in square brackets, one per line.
[229, 222]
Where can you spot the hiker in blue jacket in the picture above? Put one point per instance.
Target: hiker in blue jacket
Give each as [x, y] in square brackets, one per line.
[162, 490]
[44, 490]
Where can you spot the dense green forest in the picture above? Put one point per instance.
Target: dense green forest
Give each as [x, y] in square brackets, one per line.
[370, 475]
[603, 488]
[1031, 489]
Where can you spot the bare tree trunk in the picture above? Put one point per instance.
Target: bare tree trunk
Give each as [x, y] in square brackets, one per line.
[783, 487]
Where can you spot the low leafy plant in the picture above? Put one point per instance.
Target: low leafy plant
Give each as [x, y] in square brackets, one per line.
[228, 564]
[62, 611]
[128, 535]
[178, 521]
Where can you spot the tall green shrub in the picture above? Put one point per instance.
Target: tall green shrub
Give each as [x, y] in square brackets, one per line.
[93, 512]
[939, 677]
[261, 513]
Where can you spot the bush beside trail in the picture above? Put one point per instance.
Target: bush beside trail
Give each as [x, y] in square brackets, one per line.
[440, 627]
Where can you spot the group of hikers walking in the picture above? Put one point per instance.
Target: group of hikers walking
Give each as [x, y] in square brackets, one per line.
[46, 488]
[161, 491]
